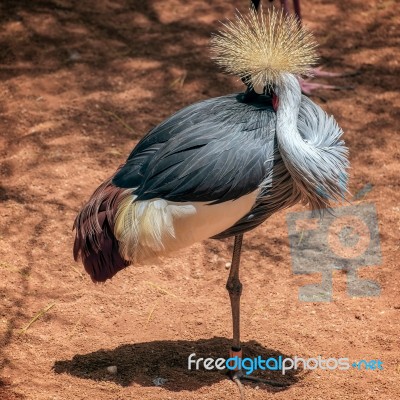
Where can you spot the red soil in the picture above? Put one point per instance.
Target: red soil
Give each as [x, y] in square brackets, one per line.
[81, 82]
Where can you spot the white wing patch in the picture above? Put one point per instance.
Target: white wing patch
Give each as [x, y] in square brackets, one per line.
[149, 229]
[144, 227]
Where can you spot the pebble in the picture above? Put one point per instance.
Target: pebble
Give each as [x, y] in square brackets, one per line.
[159, 381]
[112, 369]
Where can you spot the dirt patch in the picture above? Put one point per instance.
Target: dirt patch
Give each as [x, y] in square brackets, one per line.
[80, 83]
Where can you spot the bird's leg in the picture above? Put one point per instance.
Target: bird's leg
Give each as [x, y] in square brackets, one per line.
[234, 287]
[296, 6]
[285, 6]
[255, 4]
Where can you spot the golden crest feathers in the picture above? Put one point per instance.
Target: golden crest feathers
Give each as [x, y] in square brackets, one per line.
[264, 46]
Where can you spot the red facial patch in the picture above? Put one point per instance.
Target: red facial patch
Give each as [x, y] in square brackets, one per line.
[275, 102]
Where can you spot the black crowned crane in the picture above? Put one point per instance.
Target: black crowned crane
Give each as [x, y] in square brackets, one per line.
[222, 166]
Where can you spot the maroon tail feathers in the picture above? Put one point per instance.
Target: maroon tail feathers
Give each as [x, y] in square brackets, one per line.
[95, 242]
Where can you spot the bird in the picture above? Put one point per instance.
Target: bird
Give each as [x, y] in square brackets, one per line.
[222, 166]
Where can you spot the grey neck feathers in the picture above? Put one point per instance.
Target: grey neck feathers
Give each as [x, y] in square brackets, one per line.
[315, 156]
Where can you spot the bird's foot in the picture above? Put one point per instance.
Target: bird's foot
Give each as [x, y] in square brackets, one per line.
[320, 73]
[239, 376]
[236, 376]
[308, 87]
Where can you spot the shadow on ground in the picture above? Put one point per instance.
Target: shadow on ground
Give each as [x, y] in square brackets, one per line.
[7, 394]
[141, 363]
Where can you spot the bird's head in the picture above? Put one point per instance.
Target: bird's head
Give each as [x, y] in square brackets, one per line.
[266, 50]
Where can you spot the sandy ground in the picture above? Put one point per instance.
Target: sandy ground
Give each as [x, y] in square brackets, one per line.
[81, 83]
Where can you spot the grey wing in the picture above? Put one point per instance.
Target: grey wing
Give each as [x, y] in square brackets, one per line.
[218, 150]
[276, 193]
